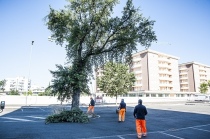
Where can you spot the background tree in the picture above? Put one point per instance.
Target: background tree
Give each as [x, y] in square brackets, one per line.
[93, 36]
[116, 79]
[209, 83]
[47, 92]
[29, 92]
[13, 92]
[2, 85]
[203, 88]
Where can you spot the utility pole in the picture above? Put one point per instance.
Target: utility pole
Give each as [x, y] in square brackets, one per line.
[29, 81]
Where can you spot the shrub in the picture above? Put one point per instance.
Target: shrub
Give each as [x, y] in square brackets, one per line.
[75, 115]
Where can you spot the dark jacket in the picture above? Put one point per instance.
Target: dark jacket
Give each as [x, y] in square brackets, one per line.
[122, 105]
[92, 103]
[140, 111]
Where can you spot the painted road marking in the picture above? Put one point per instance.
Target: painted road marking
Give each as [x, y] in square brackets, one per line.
[41, 109]
[101, 137]
[17, 119]
[36, 117]
[201, 129]
[120, 137]
[154, 132]
[171, 135]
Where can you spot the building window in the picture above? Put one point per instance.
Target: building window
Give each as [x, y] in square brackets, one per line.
[132, 95]
[153, 95]
[160, 95]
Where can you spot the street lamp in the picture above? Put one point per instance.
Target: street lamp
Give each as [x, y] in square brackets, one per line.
[32, 42]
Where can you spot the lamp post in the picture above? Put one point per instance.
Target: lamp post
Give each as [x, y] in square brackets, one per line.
[32, 42]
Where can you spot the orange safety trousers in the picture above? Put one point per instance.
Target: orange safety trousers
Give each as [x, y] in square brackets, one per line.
[91, 108]
[141, 127]
[122, 115]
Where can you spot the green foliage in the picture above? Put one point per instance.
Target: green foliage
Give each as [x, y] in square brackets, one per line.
[47, 92]
[13, 92]
[29, 93]
[203, 88]
[93, 36]
[2, 84]
[75, 115]
[209, 83]
[64, 82]
[116, 79]
[44, 94]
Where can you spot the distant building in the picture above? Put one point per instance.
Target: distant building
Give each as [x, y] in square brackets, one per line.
[159, 75]
[192, 74]
[155, 71]
[20, 84]
[37, 89]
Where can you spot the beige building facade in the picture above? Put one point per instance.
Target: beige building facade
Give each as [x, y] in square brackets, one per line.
[155, 71]
[192, 74]
[160, 75]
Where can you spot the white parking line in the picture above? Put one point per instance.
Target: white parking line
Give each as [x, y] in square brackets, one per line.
[201, 125]
[101, 137]
[41, 109]
[17, 119]
[154, 132]
[36, 117]
[171, 135]
[201, 129]
[120, 137]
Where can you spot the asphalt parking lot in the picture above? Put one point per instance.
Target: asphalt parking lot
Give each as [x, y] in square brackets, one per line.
[164, 121]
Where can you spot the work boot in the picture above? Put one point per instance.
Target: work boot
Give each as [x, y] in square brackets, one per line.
[144, 134]
[139, 136]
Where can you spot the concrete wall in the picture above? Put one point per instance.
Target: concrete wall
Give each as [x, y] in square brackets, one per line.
[46, 100]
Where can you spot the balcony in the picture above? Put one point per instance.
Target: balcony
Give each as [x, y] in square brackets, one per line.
[165, 66]
[165, 72]
[136, 66]
[137, 85]
[183, 82]
[135, 59]
[184, 87]
[165, 85]
[137, 72]
[164, 59]
[185, 77]
[138, 78]
[183, 73]
[183, 68]
[164, 78]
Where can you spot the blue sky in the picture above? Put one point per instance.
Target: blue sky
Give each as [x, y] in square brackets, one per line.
[182, 28]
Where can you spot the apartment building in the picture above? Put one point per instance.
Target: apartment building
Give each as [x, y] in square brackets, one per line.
[21, 84]
[36, 89]
[155, 71]
[192, 74]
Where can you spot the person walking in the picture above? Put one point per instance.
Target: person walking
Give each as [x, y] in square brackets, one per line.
[122, 110]
[91, 106]
[140, 111]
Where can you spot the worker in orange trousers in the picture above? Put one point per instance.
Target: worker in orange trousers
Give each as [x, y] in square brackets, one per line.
[122, 111]
[140, 111]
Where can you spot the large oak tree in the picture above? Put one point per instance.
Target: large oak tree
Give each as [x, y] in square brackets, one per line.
[92, 36]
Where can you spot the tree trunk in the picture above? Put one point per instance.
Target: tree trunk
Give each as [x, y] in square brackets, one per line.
[75, 99]
[116, 100]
